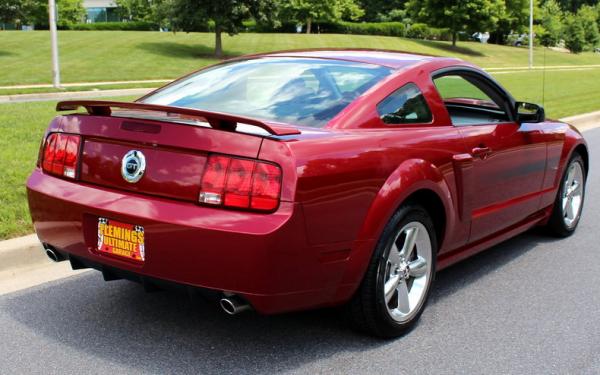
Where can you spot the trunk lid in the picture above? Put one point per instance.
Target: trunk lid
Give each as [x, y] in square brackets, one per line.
[175, 154]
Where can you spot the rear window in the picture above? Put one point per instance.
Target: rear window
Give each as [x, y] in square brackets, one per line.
[306, 92]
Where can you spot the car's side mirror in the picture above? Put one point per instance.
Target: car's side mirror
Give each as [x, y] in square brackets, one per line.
[529, 112]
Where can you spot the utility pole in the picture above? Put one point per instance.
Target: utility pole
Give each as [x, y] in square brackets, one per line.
[530, 34]
[54, 43]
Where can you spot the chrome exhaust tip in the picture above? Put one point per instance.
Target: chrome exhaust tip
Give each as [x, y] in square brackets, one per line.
[233, 305]
[53, 255]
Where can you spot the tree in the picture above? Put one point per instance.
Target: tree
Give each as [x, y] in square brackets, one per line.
[551, 21]
[10, 10]
[458, 15]
[589, 18]
[324, 10]
[70, 11]
[515, 19]
[574, 35]
[136, 10]
[574, 5]
[378, 9]
[227, 15]
[36, 12]
[161, 13]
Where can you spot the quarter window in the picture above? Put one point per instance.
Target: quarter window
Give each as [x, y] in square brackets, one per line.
[406, 105]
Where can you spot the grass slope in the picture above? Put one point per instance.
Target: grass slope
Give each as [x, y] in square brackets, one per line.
[130, 55]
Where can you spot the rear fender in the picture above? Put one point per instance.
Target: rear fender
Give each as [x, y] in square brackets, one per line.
[411, 176]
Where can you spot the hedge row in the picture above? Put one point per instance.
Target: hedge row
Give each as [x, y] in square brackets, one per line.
[126, 26]
[415, 31]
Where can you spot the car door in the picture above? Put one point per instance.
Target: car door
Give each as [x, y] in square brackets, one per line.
[508, 158]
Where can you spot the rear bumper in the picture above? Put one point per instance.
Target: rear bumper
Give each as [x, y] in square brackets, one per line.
[263, 258]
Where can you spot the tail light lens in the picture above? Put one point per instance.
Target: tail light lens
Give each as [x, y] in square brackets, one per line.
[241, 183]
[61, 154]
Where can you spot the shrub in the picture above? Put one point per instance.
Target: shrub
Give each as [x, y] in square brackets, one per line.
[419, 31]
[126, 26]
[440, 34]
[373, 28]
[575, 35]
[358, 28]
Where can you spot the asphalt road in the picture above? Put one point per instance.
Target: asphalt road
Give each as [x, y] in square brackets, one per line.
[528, 306]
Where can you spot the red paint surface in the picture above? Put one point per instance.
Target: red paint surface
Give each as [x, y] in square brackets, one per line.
[340, 186]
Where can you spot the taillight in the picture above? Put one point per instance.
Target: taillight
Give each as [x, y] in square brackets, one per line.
[60, 154]
[240, 183]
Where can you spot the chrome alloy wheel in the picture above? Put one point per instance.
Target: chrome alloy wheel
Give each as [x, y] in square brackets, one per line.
[572, 197]
[407, 272]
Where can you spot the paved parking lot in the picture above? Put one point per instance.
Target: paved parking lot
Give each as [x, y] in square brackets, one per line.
[530, 305]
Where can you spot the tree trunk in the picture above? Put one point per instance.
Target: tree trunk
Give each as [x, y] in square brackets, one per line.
[454, 37]
[218, 43]
[308, 24]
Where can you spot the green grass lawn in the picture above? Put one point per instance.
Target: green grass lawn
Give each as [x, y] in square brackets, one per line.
[88, 56]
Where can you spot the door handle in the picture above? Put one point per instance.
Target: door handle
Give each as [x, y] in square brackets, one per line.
[481, 152]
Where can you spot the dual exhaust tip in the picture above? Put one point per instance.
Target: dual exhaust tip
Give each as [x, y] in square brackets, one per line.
[231, 304]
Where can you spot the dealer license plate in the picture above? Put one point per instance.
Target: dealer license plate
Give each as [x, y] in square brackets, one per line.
[121, 239]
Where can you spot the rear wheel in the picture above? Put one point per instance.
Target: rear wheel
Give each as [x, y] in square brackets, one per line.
[569, 201]
[398, 280]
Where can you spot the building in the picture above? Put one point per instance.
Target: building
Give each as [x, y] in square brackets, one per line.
[101, 11]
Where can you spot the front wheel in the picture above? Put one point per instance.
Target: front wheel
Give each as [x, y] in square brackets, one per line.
[569, 201]
[398, 280]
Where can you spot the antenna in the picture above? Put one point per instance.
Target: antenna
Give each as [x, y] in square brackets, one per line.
[544, 80]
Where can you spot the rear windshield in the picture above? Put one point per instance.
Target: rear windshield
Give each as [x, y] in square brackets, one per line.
[306, 92]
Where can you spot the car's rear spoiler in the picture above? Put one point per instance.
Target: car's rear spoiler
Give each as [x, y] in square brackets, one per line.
[216, 120]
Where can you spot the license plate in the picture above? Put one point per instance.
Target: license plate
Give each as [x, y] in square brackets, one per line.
[121, 239]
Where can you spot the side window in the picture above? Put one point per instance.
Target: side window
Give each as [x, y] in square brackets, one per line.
[456, 87]
[470, 101]
[405, 106]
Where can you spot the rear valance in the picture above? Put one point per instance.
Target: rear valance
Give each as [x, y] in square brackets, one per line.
[216, 120]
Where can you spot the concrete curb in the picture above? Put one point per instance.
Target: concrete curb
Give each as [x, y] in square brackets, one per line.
[21, 252]
[584, 121]
[51, 96]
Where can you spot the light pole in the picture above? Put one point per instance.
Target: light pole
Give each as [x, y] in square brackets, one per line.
[530, 34]
[54, 43]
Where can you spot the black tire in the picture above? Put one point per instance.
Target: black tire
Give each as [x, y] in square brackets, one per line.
[556, 225]
[367, 310]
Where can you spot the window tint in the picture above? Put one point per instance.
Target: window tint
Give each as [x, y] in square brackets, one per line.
[405, 106]
[299, 91]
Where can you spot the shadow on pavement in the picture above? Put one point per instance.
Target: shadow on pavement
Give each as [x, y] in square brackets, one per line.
[118, 322]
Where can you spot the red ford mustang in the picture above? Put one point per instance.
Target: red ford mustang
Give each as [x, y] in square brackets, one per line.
[296, 180]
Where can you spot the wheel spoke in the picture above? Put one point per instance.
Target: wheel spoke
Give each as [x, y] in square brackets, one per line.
[574, 187]
[403, 302]
[394, 256]
[409, 242]
[418, 267]
[570, 209]
[390, 287]
[571, 175]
